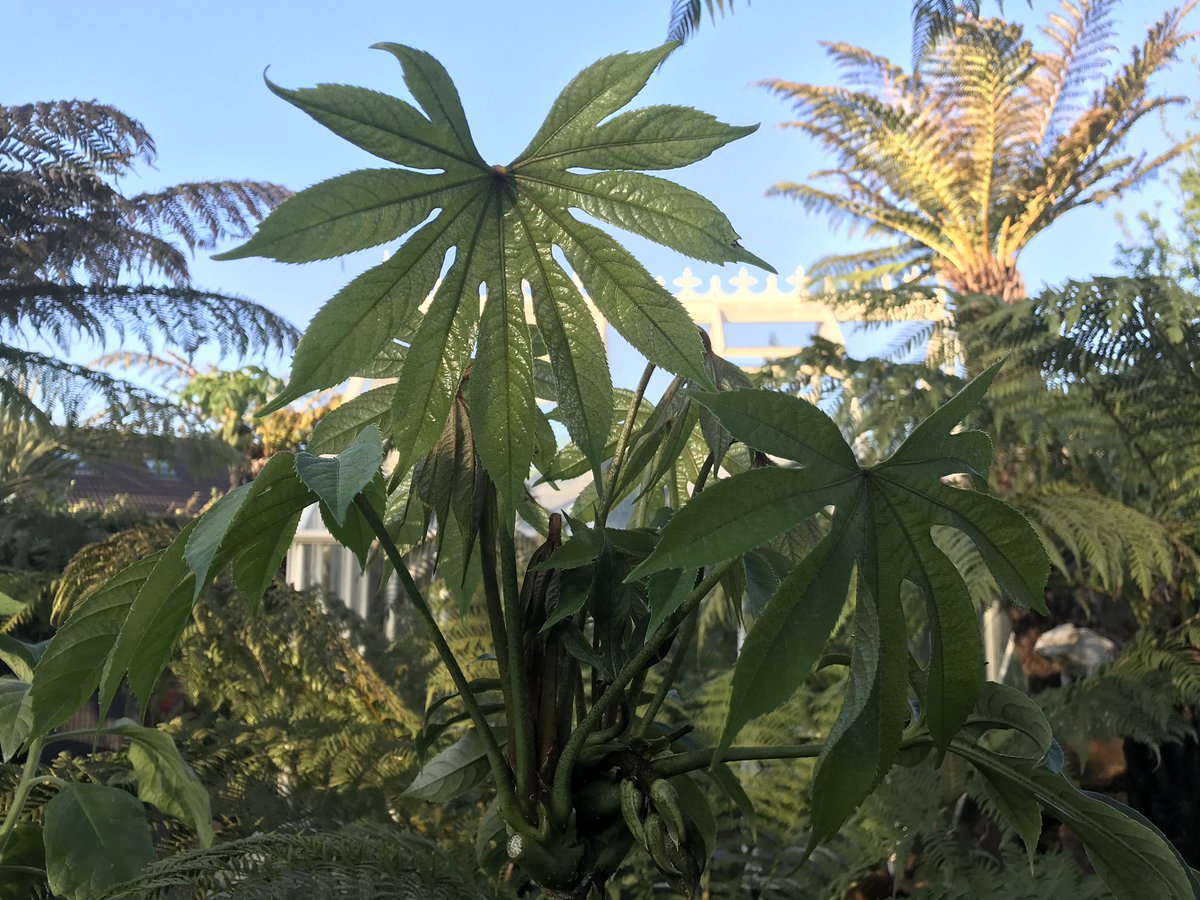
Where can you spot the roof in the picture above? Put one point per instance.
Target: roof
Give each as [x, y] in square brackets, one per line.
[164, 484]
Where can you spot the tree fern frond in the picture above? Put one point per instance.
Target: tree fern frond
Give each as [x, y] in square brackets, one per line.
[359, 861]
[203, 213]
[686, 16]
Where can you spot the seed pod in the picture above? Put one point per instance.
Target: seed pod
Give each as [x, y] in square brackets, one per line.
[633, 809]
[666, 803]
[656, 841]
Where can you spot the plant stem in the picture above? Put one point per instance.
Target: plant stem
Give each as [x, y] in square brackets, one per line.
[500, 770]
[522, 720]
[664, 687]
[690, 625]
[618, 458]
[670, 766]
[495, 610]
[24, 786]
[560, 797]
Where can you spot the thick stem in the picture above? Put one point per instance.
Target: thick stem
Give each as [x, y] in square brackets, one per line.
[495, 757]
[522, 733]
[560, 799]
[622, 447]
[24, 786]
[495, 612]
[670, 766]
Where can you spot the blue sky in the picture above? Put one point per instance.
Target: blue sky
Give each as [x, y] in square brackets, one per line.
[192, 72]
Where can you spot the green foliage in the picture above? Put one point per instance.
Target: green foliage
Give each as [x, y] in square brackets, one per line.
[359, 861]
[950, 167]
[72, 239]
[881, 530]
[503, 223]
[567, 714]
[95, 837]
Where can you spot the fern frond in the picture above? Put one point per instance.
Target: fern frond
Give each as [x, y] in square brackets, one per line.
[358, 861]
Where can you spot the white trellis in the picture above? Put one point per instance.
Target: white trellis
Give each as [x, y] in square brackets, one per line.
[316, 561]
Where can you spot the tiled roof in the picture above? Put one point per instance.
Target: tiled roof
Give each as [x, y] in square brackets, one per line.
[158, 486]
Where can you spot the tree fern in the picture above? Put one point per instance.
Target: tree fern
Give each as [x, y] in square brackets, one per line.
[961, 166]
[359, 861]
[69, 235]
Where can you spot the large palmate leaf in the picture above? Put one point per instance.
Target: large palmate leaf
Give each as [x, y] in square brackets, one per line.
[880, 534]
[503, 224]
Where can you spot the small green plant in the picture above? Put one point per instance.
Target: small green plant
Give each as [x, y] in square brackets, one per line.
[574, 740]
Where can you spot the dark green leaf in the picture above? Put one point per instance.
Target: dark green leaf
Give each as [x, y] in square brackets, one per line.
[263, 530]
[20, 656]
[1014, 714]
[865, 739]
[24, 849]
[156, 618]
[337, 480]
[457, 769]
[881, 525]
[69, 671]
[95, 837]
[1019, 809]
[16, 716]
[735, 515]
[355, 533]
[1134, 860]
[210, 532]
[165, 781]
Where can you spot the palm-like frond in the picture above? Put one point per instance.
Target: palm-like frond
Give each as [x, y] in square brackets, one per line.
[70, 239]
[985, 147]
[686, 16]
[371, 862]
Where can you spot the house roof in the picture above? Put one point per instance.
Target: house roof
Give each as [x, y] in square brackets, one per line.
[163, 484]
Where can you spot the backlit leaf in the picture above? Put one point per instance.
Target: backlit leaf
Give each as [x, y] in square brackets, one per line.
[499, 231]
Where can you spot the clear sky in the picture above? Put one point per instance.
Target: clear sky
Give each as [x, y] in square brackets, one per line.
[192, 72]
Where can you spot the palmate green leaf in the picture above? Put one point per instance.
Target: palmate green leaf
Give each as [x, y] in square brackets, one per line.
[96, 837]
[164, 780]
[880, 531]
[499, 225]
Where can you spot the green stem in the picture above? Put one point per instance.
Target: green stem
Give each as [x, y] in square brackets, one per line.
[560, 798]
[618, 457]
[27, 870]
[521, 704]
[500, 770]
[495, 611]
[24, 786]
[670, 766]
[668, 679]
